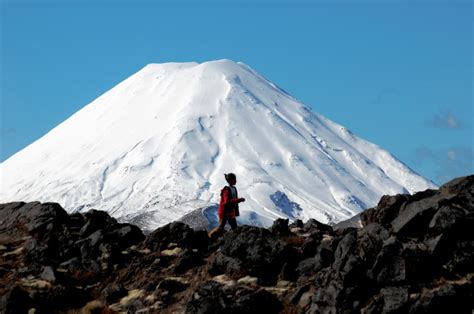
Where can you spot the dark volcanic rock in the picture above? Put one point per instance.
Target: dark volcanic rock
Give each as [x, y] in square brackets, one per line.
[311, 244]
[253, 251]
[15, 301]
[280, 227]
[233, 267]
[394, 299]
[386, 210]
[186, 260]
[180, 234]
[312, 225]
[212, 297]
[445, 299]
[414, 254]
[390, 266]
[109, 242]
[113, 292]
[95, 220]
[413, 220]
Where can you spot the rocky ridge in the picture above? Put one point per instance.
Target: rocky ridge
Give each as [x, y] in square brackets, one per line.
[413, 254]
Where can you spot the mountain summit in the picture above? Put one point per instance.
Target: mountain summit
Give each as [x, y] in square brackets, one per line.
[155, 147]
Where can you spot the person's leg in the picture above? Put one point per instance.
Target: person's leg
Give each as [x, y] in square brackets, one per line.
[219, 228]
[233, 223]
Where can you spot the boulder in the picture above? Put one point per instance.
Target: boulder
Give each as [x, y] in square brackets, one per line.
[280, 227]
[461, 185]
[370, 241]
[176, 232]
[222, 264]
[414, 219]
[258, 251]
[389, 266]
[387, 209]
[446, 218]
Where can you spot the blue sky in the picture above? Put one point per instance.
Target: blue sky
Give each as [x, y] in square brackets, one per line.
[397, 73]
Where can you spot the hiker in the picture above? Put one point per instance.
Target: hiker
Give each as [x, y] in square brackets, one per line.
[229, 205]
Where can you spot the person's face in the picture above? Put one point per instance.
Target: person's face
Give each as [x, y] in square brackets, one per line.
[232, 181]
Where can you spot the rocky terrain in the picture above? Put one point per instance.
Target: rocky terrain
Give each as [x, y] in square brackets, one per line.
[413, 254]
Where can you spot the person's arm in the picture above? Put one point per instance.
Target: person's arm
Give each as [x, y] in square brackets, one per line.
[227, 199]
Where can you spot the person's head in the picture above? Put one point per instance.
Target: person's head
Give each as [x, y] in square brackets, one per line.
[230, 178]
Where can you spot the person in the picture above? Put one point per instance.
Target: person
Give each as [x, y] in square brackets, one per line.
[229, 205]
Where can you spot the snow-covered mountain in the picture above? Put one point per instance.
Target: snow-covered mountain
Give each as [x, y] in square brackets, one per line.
[155, 147]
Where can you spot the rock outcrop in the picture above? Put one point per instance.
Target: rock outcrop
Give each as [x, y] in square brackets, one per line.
[413, 254]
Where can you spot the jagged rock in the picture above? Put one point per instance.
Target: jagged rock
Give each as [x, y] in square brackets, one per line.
[394, 299]
[289, 271]
[71, 265]
[257, 251]
[16, 300]
[446, 218]
[58, 297]
[231, 266]
[462, 259]
[298, 223]
[461, 185]
[95, 220]
[208, 298]
[212, 297]
[419, 264]
[345, 253]
[109, 242]
[389, 266]
[113, 292]
[200, 241]
[447, 298]
[312, 225]
[353, 222]
[179, 233]
[298, 293]
[48, 274]
[386, 210]
[280, 227]
[307, 267]
[186, 260]
[310, 244]
[371, 239]
[413, 220]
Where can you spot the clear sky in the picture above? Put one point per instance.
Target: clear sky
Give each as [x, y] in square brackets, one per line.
[397, 73]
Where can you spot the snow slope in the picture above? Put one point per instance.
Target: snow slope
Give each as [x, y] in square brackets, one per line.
[155, 147]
